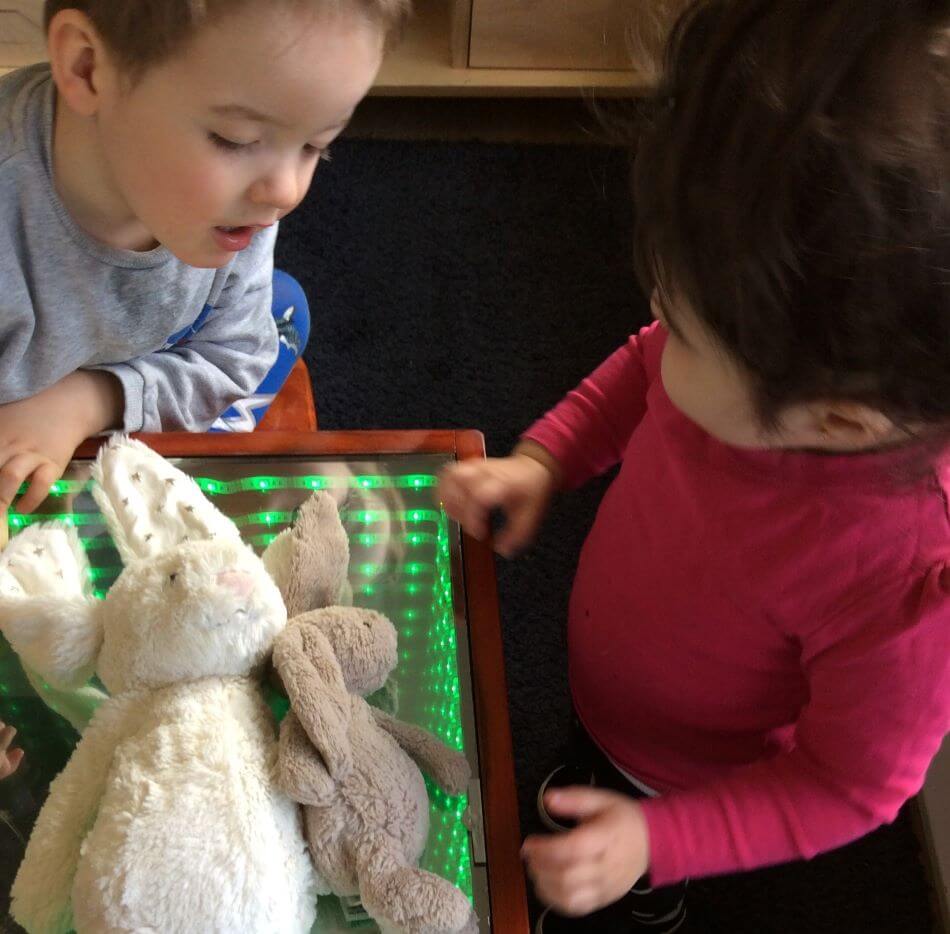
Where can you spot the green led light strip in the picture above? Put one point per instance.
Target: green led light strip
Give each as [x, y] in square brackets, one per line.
[19, 520]
[266, 484]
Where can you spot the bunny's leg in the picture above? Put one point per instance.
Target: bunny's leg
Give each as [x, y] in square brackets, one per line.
[42, 890]
[404, 899]
[447, 766]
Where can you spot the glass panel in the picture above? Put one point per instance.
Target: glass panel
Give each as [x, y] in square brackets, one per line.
[403, 562]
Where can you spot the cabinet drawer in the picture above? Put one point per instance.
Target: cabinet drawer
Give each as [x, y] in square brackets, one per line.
[571, 34]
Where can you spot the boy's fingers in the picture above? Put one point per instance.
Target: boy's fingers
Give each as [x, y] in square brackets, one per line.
[4, 527]
[12, 474]
[45, 475]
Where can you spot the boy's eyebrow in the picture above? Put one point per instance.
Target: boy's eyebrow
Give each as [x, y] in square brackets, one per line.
[249, 113]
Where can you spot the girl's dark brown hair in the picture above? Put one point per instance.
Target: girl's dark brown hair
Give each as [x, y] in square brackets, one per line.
[793, 192]
[142, 33]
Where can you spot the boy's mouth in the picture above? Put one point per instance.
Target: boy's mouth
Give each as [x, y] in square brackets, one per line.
[234, 239]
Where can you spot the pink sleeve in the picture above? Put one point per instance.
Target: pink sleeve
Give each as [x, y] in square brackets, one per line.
[879, 707]
[587, 432]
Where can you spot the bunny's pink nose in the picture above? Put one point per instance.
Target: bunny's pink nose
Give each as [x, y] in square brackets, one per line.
[238, 582]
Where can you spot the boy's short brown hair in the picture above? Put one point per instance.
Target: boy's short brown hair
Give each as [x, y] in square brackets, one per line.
[793, 193]
[141, 33]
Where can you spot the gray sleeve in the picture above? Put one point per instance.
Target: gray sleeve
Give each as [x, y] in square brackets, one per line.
[17, 324]
[186, 387]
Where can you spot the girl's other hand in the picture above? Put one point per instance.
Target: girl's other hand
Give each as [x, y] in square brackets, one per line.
[596, 863]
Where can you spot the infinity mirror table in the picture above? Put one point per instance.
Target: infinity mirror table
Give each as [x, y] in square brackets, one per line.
[407, 560]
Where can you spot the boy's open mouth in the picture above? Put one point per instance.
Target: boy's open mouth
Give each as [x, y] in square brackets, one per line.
[234, 239]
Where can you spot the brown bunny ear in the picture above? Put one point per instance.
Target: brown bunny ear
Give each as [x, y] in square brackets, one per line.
[307, 665]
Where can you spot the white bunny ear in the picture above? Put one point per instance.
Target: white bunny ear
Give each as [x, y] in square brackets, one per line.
[45, 560]
[46, 611]
[150, 506]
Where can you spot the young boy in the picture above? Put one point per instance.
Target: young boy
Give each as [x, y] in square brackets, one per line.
[143, 173]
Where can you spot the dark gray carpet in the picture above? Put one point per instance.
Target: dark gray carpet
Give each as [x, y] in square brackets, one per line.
[470, 286]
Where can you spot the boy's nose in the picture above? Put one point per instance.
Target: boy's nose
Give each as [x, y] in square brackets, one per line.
[282, 190]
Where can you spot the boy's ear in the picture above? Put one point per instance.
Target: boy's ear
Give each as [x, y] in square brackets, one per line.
[77, 56]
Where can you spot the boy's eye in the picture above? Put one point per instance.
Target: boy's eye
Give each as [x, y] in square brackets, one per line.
[322, 153]
[228, 145]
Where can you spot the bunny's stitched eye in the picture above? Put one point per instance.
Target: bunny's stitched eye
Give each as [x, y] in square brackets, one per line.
[172, 577]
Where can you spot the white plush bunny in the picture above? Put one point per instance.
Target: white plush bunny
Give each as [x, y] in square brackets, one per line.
[166, 818]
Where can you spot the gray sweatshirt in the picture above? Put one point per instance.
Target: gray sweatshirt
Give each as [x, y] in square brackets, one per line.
[69, 302]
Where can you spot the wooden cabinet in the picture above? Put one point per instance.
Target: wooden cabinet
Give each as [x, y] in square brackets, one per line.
[485, 48]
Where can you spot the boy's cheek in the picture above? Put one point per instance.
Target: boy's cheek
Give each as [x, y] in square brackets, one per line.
[195, 196]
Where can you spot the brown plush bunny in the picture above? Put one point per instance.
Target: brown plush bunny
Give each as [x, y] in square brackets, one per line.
[351, 765]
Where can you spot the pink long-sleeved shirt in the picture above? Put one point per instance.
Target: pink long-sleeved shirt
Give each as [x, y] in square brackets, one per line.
[763, 636]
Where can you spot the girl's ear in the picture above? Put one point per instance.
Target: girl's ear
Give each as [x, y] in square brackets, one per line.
[46, 611]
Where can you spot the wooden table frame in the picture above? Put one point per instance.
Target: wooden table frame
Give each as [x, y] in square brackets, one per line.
[506, 882]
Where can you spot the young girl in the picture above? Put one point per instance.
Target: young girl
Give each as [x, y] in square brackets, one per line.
[759, 631]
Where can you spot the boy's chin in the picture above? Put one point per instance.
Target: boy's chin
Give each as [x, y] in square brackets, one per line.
[209, 257]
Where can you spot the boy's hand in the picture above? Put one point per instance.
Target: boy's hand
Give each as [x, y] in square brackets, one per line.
[599, 861]
[39, 435]
[520, 486]
[10, 759]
